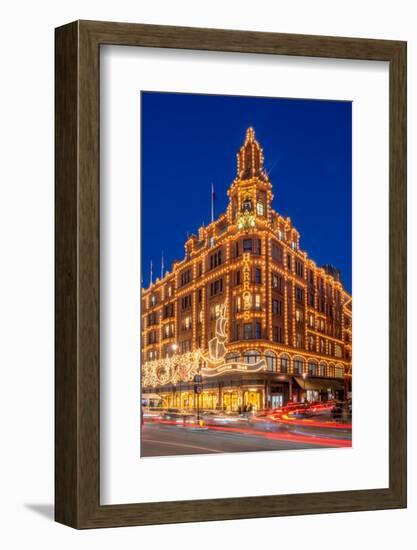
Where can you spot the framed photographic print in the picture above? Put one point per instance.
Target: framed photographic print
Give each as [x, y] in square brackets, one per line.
[230, 274]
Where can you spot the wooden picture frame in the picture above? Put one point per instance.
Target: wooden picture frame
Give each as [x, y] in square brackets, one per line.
[77, 406]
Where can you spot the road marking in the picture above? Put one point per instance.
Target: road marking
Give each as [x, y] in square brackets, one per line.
[181, 445]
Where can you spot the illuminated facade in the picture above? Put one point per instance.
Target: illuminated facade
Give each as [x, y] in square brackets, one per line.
[286, 323]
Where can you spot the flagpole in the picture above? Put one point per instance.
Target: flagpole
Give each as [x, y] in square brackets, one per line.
[162, 265]
[151, 272]
[212, 202]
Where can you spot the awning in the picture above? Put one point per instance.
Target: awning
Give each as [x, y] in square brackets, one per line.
[319, 384]
[151, 396]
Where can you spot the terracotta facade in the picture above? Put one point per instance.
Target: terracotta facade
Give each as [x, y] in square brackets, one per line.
[280, 305]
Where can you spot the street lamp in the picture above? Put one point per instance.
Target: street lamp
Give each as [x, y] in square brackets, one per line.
[198, 379]
[174, 348]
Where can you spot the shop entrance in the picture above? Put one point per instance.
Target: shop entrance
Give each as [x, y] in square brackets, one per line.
[253, 399]
[313, 395]
[277, 400]
[230, 401]
[279, 395]
[209, 400]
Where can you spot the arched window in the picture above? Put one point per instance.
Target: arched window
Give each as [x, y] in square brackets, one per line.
[284, 364]
[330, 371]
[247, 205]
[251, 356]
[232, 357]
[298, 366]
[322, 369]
[312, 368]
[271, 361]
[339, 371]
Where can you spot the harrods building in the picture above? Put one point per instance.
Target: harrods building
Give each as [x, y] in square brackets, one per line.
[280, 306]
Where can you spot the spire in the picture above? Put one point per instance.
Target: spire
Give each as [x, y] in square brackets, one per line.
[250, 159]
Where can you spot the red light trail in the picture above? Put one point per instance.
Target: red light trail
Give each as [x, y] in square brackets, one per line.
[297, 438]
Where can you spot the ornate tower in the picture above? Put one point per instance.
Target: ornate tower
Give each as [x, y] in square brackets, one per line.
[251, 192]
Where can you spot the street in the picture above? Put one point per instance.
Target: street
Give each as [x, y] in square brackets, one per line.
[162, 438]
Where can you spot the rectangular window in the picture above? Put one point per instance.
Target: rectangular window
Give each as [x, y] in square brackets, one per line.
[152, 319]
[185, 277]
[299, 315]
[311, 301]
[216, 259]
[186, 302]
[276, 282]
[168, 330]
[247, 245]
[238, 304]
[299, 294]
[186, 346]
[299, 269]
[152, 337]
[277, 253]
[277, 334]
[168, 310]
[247, 328]
[258, 246]
[258, 276]
[237, 251]
[289, 262]
[237, 277]
[186, 323]
[260, 209]
[200, 295]
[216, 287]
[200, 269]
[258, 331]
[258, 306]
[277, 307]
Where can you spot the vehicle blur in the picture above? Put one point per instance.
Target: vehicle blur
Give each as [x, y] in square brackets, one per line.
[342, 410]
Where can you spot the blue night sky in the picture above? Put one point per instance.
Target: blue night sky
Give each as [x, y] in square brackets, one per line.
[189, 141]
